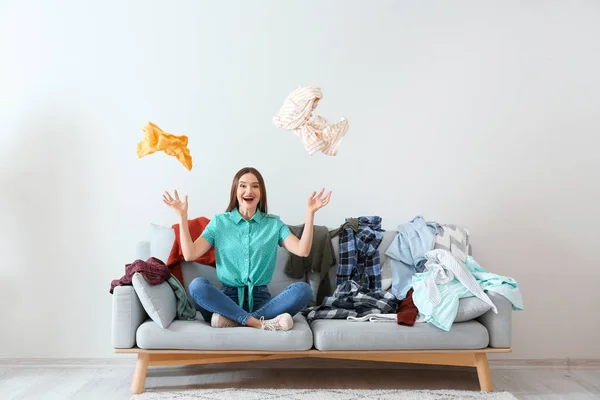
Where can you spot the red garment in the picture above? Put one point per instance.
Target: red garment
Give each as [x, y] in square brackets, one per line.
[154, 270]
[407, 311]
[196, 226]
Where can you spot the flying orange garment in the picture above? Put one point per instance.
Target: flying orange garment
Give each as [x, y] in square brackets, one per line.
[157, 140]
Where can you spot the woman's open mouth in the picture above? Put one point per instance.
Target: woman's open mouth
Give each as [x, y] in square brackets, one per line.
[248, 199]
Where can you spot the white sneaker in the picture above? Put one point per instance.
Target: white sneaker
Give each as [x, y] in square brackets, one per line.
[219, 321]
[282, 322]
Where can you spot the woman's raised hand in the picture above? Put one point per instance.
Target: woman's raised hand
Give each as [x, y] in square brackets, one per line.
[180, 206]
[317, 201]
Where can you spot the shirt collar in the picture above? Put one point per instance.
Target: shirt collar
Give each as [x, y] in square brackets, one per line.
[237, 217]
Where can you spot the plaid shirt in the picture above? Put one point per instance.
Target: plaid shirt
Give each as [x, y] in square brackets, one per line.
[359, 253]
[352, 300]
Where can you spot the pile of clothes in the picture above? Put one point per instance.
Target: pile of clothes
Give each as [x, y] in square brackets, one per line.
[156, 272]
[432, 269]
[359, 240]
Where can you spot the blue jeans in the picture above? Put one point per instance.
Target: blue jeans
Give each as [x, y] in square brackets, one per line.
[225, 301]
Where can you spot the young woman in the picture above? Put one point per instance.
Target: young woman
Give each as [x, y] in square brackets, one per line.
[246, 239]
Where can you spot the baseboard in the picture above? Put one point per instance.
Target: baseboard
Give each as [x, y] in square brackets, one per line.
[68, 362]
[128, 360]
[545, 363]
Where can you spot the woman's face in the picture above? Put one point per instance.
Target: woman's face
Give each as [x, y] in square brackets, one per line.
[248, 192]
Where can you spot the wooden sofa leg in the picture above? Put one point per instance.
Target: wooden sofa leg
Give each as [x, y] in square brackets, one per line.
[483, 372]
[139, 376]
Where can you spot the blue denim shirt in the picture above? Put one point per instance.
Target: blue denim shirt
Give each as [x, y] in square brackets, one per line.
[408, 250]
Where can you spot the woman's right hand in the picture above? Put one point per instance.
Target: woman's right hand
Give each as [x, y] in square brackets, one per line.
[180, 206]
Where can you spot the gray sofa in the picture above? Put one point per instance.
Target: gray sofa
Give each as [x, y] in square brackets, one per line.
[196, 342]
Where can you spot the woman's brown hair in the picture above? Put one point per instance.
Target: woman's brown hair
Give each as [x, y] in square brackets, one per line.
[233, 202]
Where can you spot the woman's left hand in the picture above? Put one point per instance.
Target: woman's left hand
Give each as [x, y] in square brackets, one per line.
[317, 201]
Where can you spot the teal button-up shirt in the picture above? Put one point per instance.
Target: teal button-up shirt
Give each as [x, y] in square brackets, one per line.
[245, 251]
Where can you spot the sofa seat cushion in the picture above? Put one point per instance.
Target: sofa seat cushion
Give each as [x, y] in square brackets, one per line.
[340, 334]
[199, 335]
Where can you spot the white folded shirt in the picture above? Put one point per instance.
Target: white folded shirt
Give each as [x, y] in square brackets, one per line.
[383, 318]
[375, 318]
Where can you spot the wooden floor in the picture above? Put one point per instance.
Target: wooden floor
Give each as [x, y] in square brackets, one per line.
[112, 380]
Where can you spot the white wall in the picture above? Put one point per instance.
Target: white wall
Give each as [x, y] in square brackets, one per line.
[483, 114]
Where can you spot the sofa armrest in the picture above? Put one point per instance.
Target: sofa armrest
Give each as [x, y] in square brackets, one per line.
[127, 315]
[499, 325]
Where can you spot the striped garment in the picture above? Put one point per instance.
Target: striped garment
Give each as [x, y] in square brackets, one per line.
[444, 268]
[352, 300]
[296, 114]
[359, 253]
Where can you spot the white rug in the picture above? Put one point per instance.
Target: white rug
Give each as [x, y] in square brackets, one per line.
[319, 394]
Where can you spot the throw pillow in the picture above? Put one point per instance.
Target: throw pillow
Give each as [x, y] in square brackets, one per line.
[161, 241]
[158, 300]
[470, 308]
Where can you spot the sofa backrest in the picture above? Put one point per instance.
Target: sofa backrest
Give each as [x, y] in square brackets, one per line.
[280, 280]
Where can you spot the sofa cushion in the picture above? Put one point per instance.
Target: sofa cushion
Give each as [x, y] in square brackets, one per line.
[142, 250]
[340, 334]
[161, 241]
[199, 335]
[159, 301]
[470, 308]
[280, 279]
[191, 270]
